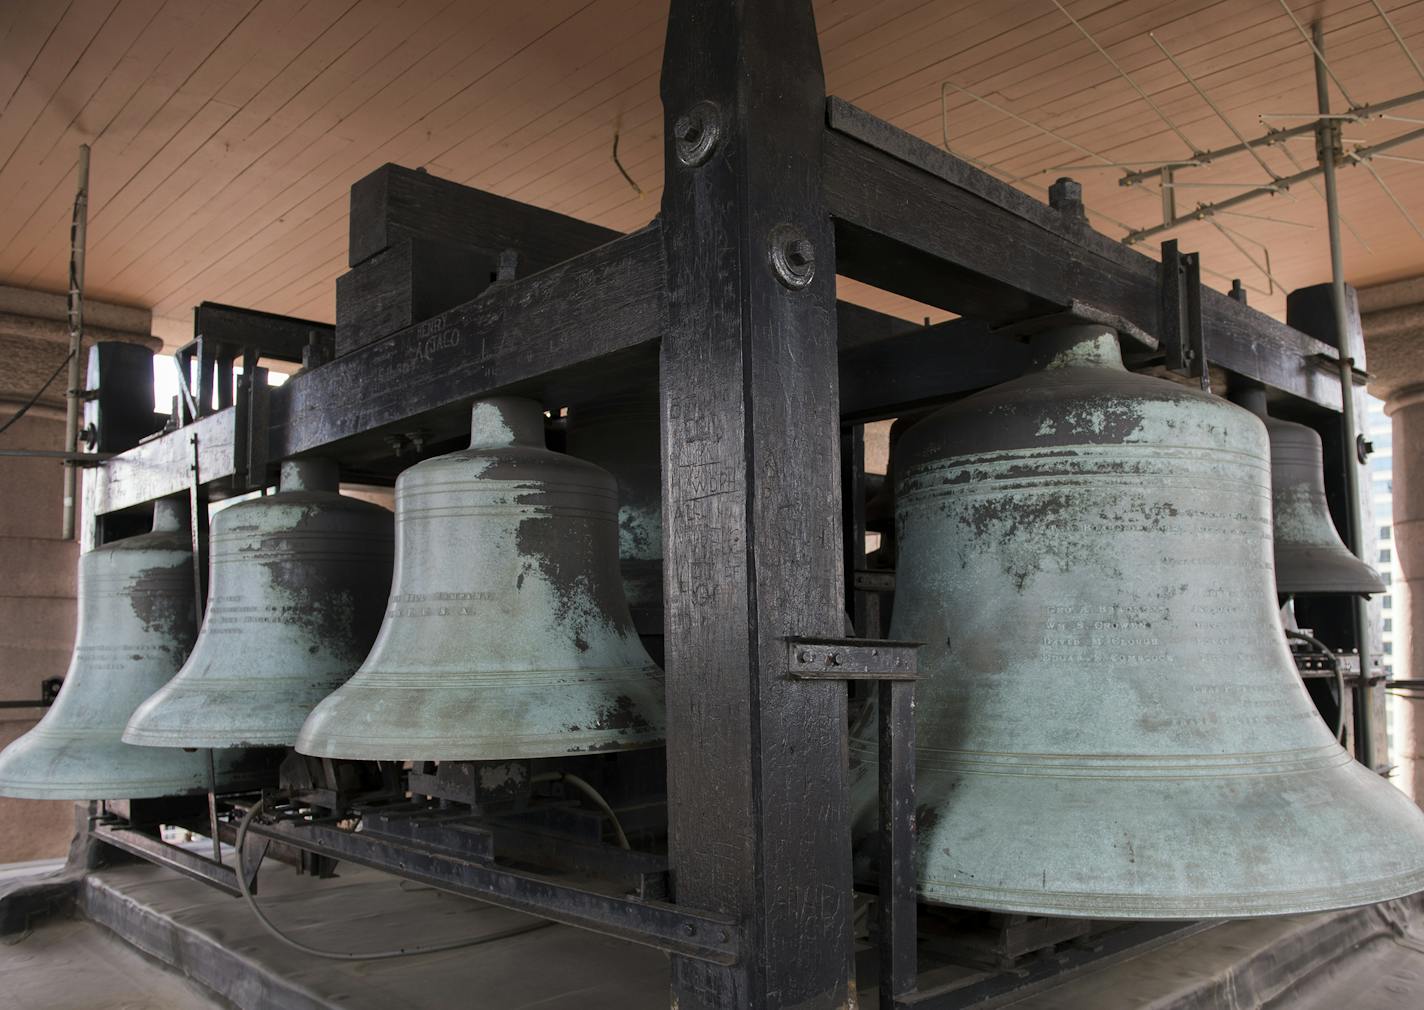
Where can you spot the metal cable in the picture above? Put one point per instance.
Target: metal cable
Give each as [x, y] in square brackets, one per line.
[1339, 678]
[584, 787]
[38, 393]
[375, 955]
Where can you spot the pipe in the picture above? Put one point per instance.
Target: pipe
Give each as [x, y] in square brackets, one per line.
[1327, 146]
[73, 394]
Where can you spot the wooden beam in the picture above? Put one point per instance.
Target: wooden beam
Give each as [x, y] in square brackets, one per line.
[757, 811]
[393, 203]
[980, 248]
[274, 336]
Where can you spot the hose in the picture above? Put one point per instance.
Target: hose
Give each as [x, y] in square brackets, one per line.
[582, 786]
[1339, 678]
[375, 955]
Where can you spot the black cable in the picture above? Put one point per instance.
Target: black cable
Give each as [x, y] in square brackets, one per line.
[38, 393]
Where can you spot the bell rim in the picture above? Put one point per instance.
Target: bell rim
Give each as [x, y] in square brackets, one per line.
[1226, 905]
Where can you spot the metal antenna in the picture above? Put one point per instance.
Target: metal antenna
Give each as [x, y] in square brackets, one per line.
[944, 123]
[1201, 93]
[1315, 187]
[1392, 198]
[1128, 78]
[1231, 234]
[1398, 38]
[1320, 56]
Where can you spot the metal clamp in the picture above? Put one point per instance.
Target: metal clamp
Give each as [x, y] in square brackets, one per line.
[851, 659]
[1183, 341]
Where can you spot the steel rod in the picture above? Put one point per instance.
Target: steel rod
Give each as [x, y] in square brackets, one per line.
[1326, 149]
[72, 397]
[1273, 137]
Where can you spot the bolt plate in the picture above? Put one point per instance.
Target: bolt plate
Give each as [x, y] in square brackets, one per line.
[851, 659]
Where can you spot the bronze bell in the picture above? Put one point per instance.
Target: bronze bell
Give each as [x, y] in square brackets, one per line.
[507, 635]
[135, 629]
[294, 602]
[1310, 556]
[620, 434]
[1109, 722]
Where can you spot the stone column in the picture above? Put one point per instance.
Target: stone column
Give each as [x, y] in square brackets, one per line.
[1393, 317]
[37, 590]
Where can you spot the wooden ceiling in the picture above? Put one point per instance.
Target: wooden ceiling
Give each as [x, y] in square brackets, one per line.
[226, 134]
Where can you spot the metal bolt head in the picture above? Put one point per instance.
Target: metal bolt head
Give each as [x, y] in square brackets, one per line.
[696, 133]
[793, 256]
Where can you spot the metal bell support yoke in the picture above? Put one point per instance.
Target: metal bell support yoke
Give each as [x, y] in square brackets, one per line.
[294, 602]
[1310, 556]
[507, 635]
[135, 629]
[1109, 724]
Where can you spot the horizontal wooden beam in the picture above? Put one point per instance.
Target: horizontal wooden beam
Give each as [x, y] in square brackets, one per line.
[925, 365]
[912, 219]
[274, 336]
[393, 203]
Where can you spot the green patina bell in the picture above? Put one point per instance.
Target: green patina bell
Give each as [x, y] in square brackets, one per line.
[135, 630]
[1109, 722]
[507, 634]
[1310, 556]
[620, 434]
[294, 602]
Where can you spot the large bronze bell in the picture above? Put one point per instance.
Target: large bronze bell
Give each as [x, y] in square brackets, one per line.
[135, 629]
[620, 435]
[507, 634]
[1109, 723]
[294, 602]
[1310, 556]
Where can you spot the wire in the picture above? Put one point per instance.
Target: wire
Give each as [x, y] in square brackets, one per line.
[38, 393]
[1335, 664]
[375, 955]
[593, 794]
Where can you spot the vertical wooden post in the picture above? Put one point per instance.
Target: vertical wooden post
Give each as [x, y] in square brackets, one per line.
[752, 537]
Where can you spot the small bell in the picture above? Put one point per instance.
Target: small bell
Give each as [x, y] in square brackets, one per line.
[135, 630]
[294, 602]
[507, 635]
[1310, 556]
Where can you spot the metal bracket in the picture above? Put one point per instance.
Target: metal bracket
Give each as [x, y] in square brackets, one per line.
[874, 581]
[851, 659]
[49, 691]
[1183, 341]
[253, 408]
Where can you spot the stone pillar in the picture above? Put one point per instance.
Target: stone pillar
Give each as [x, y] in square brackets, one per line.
[1406, 414]
[1393, 317]
[37, 591]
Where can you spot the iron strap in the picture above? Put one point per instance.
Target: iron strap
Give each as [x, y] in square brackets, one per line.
[700, 935]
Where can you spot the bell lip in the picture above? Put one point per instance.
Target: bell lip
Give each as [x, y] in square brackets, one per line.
[207, 739]
[63, 766]
[1325, 570]
[1130, 907]
[364, 749]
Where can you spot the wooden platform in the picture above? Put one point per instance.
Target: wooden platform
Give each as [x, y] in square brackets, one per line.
[193, 936]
